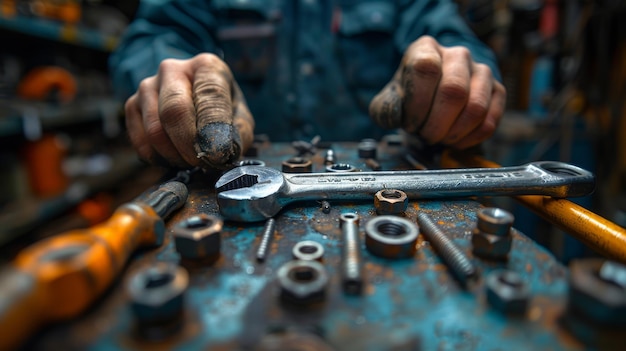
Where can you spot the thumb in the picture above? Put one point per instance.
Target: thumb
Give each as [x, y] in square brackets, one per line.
[386, 107]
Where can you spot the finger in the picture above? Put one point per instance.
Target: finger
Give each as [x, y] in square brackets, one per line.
[451, 94]
[475, 111]
[176, 109]
[489, 125]
[386, 107]
[422, 71]
[218, 143]
[160, 141]
[136, 133]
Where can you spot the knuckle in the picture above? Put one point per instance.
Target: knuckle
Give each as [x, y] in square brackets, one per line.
[155, 133]
[169, 64]
[454, 90]
[476, 110]
[460, 51]
[427, 65]
[145, 85]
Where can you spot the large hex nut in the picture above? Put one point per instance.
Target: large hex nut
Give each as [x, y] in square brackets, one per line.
[507, 292]
[390, 201]
[302, 283]
[391, 237]
[297, 165]
[198, 236]
[597, 291]
[491, 238]
[157, 299]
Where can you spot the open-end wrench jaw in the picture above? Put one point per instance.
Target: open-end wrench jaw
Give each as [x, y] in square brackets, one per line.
[250, 193]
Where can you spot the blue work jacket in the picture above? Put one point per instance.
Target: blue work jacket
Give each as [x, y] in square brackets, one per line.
[306, 67]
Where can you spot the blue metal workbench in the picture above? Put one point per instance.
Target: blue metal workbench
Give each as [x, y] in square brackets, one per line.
[408, 304]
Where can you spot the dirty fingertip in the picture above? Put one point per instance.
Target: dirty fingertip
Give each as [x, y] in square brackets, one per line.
[386, 107]
[218, 145]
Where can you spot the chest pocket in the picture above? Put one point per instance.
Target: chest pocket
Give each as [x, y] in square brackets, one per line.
[366, 48]
[246, 34]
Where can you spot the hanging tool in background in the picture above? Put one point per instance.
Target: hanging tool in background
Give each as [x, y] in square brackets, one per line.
[599, 234]
[59, 277]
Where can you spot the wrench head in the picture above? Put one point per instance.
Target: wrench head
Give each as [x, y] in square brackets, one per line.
[249, 193]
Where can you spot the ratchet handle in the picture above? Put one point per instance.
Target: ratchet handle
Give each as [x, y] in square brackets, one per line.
[59, 277]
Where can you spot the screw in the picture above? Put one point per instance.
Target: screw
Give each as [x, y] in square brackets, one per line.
[330, 157]
[268, 232]
[325, 206]
[460, 265]
[351, 263]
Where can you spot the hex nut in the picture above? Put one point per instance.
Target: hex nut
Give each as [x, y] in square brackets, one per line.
[491, 246]
[507, 292]
[297, 165]
[367, 148]
[308, 250]
[250, 162]
[340, 168]
[198, 236]
[391, 237]
[302, 283]
[597, 291]
[390, 202]
[157, 299]
[491, 238]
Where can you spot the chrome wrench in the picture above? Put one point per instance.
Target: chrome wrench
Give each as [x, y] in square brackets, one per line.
[255, 193]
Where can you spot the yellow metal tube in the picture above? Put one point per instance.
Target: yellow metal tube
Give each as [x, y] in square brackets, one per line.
[600, 234]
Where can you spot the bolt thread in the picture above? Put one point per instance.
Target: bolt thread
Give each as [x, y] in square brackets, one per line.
[268, 233]
[351, 265]
[457, 261]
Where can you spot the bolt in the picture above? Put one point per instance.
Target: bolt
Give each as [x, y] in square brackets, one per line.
[491, 238]
[460, 265]
[390, 202]
[268, 233]
[351, 262]
[330, 157]
[325, 206]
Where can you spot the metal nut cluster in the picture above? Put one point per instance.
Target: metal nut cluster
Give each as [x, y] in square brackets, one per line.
[302, 282]
[507, 292]
[597, 291]
[198, 236]
[390, 202]
[491, 238]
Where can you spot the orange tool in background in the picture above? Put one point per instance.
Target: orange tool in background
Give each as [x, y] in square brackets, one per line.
[59, 277]
[600, 234]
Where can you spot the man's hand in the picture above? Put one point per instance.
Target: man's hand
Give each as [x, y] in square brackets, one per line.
[190, 113]
[442, 95]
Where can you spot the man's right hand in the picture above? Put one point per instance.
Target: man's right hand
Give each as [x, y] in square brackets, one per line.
[190, 113]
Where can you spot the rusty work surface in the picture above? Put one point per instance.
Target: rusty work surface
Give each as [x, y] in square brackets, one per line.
[407, 304]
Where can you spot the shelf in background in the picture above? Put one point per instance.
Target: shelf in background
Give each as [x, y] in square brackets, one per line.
[54, 30]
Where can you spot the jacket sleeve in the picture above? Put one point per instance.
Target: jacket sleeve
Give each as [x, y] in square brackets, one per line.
[161, 29]
[441, 20]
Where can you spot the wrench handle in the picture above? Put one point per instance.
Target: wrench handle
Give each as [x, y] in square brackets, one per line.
[549, 178]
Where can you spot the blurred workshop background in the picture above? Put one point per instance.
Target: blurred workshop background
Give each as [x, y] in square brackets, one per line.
[65, 161]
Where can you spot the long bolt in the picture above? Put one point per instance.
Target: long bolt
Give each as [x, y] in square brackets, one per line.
[460, 265]
[351, 263]
[268, 233]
